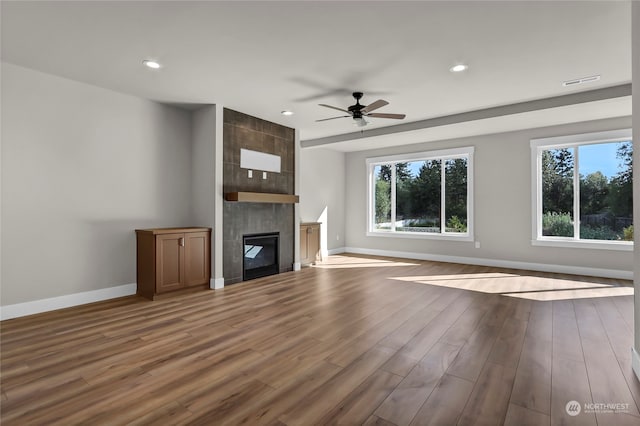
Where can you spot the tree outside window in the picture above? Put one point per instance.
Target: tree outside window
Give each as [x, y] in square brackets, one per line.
[586, 190]
[421, 197]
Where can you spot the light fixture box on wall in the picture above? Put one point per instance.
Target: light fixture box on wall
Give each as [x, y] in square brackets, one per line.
[257, 160]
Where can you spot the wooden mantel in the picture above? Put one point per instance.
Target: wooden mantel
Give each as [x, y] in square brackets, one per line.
[261, 197]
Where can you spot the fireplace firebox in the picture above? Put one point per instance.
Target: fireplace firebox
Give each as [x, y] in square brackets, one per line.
[261, 255]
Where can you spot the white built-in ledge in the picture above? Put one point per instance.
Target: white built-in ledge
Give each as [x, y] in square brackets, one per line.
[261, 197]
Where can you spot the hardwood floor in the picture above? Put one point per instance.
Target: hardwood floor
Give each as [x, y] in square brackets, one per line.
[356, 340]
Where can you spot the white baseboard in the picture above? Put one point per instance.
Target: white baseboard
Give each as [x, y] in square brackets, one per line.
[543, 267]
[635, 362]
[216, 283]
[338, 250]
[66, 301]
[297, 266]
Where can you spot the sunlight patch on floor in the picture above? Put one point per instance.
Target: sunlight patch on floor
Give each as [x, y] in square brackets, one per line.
[583, 293]
[503, 284]
[526, 287]
[346, 262]
[453, 277]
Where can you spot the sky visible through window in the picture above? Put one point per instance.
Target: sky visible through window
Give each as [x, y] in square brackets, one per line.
[414, 167]
[600, 157]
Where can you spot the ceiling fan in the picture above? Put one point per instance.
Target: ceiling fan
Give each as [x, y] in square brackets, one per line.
[358, 112]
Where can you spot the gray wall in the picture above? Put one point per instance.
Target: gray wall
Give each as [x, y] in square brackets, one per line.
[82, 167]
[322, 191]
[503, 213]
[203, 154]
[203, 176]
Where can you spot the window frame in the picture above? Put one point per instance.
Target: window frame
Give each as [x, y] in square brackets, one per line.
[560, 142]
[445, 154]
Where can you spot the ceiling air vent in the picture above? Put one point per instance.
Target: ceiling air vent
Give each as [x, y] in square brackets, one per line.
[581, 80]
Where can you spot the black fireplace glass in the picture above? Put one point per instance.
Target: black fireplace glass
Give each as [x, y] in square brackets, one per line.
[260, 256]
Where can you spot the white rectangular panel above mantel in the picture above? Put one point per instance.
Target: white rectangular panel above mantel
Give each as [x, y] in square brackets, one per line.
[256, 160]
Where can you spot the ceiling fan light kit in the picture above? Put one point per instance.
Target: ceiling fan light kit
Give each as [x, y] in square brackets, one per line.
[358, 111]
[360, 122]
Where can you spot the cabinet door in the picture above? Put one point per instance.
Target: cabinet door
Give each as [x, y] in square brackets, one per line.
[169, 261]
[196, 258]
[304, 245]
[314, 243]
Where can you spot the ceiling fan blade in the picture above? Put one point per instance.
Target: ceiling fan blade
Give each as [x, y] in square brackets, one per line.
[332, 107]
[377, 104]
[381, 115]
[333, 118]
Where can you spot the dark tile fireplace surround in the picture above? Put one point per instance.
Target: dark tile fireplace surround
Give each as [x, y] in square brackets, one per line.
[242, 219]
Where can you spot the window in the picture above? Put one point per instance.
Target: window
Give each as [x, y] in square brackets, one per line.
[583, 193]
[424, 195]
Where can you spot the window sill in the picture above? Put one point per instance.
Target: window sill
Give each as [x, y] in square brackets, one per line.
[592, 244]
[421, 235]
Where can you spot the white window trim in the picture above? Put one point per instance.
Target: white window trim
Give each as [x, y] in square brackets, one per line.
[559, 142]
[421, 156]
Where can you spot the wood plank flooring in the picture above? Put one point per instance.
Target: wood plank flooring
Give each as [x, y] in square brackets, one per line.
[355, 340]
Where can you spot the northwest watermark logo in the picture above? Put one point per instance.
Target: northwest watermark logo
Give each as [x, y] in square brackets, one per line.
[606, 408]
[573, 408]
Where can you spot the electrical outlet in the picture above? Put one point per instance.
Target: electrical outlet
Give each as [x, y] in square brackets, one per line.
[477, 244]
[337, 237]
[250, 173]
[264, 175]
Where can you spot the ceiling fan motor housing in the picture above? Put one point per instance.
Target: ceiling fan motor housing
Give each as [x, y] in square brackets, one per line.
[355, 109]
[356, 112]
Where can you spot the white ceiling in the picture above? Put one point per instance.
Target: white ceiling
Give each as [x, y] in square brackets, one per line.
[264, 57]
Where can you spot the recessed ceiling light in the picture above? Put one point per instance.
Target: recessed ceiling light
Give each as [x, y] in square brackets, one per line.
[458, 68]
[151, 64]
[286, 112]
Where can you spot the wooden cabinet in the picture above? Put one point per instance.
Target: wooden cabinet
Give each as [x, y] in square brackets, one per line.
[310, 243]
[171, 259]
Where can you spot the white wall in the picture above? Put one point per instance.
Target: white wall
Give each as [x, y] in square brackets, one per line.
[503, 211]
[322, 193]
[82, 167]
